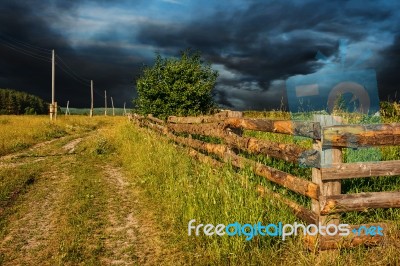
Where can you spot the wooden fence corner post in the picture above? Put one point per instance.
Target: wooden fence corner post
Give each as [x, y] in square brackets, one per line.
[328, 157]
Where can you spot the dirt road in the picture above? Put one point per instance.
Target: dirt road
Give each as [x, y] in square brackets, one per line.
[80, 209]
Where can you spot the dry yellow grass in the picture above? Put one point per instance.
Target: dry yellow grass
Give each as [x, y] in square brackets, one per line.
[20, 132]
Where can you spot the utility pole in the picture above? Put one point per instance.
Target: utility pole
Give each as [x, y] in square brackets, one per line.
[105, 103]
[91, 96]
[67, 110]
[124, 108]
[112, 103]
[53, 105]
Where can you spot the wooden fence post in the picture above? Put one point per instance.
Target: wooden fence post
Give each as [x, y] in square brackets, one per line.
[329, 155]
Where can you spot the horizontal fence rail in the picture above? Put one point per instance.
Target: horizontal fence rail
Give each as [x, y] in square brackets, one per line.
[325, 158]
[355, 136]
[204, 119]
[304, 129]
[360, 202]
[287, 152]
[362, 169]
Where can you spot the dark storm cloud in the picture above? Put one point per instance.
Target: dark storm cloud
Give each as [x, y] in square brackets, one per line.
[31, 23]
[267, 42]
[388, 72]
[257, 44]
[222, 98]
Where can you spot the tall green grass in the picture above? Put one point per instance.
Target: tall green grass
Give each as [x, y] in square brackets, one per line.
[182, 189]
[179, 189]
[389, 113]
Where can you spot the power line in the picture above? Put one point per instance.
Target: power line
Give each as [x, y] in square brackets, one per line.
[11, 39]
[43, 55]
[98, 93]
[69, 68]
[26, 52]
[72, 76]
[37, 52]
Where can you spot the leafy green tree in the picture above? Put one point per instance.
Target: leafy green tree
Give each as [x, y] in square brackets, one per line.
[176, 86]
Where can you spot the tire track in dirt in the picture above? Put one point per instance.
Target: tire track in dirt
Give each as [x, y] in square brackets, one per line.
[35, 147]
[31, 228]
[70, 147]
[23, 157]
[30, 231]
[130, 235]
[130, 239]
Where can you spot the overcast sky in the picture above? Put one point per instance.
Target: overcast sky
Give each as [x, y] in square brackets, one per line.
[255, 45]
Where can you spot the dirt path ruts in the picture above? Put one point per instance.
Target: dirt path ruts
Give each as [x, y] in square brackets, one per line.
[70, 147]
[33, 148]
[122, 229]
[17, 158]
[129, 238]
[29, 236]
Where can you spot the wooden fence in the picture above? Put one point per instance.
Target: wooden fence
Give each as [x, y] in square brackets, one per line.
[325, 158]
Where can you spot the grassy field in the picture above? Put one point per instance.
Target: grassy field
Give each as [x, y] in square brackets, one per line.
[124, 194]
[188, 190]
[21, 132]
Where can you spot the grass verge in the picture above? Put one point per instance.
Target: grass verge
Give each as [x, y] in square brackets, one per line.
[181, 189]
[21, 132]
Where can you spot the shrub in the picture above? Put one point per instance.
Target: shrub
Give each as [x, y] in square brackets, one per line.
[176, 86]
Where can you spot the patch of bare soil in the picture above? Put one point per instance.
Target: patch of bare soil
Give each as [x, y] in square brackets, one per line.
[29, 238]
[70, 147]
[129, 238]
[31, 149]
[23, 157]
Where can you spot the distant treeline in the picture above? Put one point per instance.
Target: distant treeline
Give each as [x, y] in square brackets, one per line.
[17, 103]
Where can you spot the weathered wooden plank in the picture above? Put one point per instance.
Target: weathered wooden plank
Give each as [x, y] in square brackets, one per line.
[209, 129]
[352, 240]
[204, 158]
[310, 158]
[193, 120]
[287, 152]
[359, 202]
[135, 116]
[361, 135]
[360, 169]
[143, 121]
[289, 181]
[327, 156]
[204, 119]
[217, 149]
[300, 211]
[155, 119]
[305, 129]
